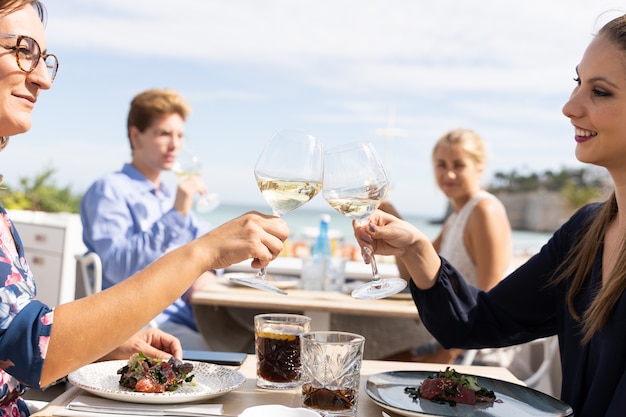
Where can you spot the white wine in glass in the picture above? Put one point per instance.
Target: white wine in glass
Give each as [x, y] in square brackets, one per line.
[289, 173]
[355, 183]
[188, 164]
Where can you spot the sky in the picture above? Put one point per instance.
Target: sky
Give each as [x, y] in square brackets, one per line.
[342, 70]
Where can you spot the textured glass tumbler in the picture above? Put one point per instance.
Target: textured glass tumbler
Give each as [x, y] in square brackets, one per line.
[331, 372]
[277, 346]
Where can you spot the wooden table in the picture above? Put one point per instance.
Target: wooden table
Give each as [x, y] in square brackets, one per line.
[288, 265]
[389, 325]
[249, 395]
[317, 304]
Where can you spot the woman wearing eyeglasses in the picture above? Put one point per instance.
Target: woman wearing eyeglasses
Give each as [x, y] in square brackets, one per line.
[39, 345]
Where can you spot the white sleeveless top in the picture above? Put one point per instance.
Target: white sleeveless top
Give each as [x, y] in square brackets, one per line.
[453, 249]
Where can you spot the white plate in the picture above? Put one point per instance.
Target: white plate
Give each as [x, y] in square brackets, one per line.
[280, 281]
[387, 390]
[277, 411]
[210, 381]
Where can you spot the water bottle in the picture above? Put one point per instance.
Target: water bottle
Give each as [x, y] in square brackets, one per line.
[315, 269]
[321, 248]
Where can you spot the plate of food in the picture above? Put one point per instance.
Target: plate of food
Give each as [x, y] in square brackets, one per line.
[281, 281]
[153, 381]
[449, 393]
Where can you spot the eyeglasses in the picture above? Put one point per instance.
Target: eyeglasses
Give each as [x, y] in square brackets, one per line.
[28, 53]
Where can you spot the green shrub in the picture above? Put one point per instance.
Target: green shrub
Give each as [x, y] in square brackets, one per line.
[40, 194]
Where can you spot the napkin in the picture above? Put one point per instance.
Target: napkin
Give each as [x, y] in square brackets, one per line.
[87, 405]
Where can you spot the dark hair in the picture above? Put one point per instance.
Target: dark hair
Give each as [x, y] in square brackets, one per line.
[615, 31]
[580, 260]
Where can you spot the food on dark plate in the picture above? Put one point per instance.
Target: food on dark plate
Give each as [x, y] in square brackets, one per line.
[453, 388]
[143, 374]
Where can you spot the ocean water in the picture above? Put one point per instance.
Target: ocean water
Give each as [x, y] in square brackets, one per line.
[304, 224]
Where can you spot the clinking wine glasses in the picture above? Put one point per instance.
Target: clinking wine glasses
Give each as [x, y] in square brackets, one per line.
[355, 183]
[289, 173]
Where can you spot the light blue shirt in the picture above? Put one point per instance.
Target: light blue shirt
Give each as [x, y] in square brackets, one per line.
[130, 223]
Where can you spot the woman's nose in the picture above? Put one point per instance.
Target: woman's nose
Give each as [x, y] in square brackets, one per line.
[572, 107]
[40, 76]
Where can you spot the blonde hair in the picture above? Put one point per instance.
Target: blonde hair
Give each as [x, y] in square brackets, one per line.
[9, 6]
[152, 104]
[468, 140]
[6, 8]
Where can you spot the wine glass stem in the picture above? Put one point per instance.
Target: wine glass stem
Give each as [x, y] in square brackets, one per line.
[261, 273]
[376, 282]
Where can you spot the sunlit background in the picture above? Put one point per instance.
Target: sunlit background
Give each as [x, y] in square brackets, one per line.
[397, 73]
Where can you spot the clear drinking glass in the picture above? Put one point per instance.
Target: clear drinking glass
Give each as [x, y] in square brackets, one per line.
[331, 372]
[289, 173]
[354, 184]
[277, 347]
[188, 164]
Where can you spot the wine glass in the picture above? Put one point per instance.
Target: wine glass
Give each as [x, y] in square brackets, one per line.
[188, 164]
[289, 173]
[354, 184]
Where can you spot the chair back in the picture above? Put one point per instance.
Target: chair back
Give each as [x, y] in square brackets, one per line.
[89, 267]
[549, 348]
[549, 345]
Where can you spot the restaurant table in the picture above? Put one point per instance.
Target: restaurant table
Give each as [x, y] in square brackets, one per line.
[248, 395]
[289, 265]
[224, 313]
[317, 304]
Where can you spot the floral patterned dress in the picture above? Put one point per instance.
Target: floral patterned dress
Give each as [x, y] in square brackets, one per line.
[25, 323]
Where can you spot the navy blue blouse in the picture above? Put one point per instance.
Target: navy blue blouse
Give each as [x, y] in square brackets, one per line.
[523, 307]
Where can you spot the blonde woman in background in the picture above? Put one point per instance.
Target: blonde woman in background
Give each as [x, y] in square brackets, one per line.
[475, 238]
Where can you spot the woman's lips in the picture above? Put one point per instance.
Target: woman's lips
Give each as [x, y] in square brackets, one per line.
[28, 101]
[583, 135]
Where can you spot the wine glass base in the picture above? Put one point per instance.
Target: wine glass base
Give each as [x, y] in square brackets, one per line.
[258, 283]
[207, 203]
[384, 288]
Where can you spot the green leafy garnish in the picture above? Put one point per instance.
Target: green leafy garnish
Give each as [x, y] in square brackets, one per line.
[466, 380]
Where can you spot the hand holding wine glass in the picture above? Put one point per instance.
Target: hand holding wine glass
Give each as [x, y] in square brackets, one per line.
[289, 173]
[188, 164]
[355, 183]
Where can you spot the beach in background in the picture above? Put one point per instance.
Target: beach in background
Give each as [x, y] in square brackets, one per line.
[304, 226]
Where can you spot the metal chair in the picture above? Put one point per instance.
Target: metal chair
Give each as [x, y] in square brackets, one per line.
[549, 345]
[90, 267]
